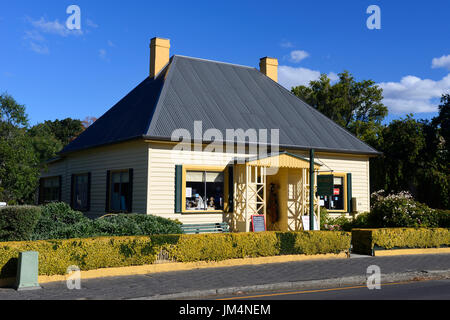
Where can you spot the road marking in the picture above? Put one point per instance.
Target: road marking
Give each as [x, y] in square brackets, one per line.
[314, 291]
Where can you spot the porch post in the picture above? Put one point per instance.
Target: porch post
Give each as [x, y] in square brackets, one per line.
[311, 190]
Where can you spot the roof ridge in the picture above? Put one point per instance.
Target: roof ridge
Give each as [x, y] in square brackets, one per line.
[215, 61]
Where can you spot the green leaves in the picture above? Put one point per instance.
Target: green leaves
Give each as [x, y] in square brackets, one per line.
[356, 106]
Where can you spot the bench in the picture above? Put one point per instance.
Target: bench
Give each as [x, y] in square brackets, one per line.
[205, 228]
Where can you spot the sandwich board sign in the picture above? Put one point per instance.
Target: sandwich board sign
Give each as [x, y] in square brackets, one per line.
[258, 223]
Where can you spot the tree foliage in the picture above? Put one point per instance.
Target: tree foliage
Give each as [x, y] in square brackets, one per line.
[356, 106]
[416, 153]
[24, 150]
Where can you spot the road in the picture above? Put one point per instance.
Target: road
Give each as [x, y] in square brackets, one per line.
[417, 290]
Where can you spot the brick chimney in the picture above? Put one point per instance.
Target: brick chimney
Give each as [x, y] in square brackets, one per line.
[159, 55]
[269, 67]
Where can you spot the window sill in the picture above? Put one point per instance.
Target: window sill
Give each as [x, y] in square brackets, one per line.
[203, 212]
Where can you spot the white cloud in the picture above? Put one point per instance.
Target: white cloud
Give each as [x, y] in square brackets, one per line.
[53, 27]
[298, 55]
[442, 62]
[414, 95]
[286, 44]
[102, 53]
[91, 23]
[36, 42]
[111, 44]
[291, 77]
[39, 48]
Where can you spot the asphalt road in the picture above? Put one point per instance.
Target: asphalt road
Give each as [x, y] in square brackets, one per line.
[417, 290]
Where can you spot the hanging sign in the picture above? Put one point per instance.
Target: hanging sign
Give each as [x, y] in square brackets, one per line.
[258, 223]
[336, 192]
[325, 185]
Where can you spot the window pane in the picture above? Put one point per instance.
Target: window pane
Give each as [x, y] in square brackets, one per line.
[214, 190]
[214, 177]
[80, 200]
[195, 190]
[194, 176]
[124, 177]
[50, 189]
[120, 191]
[336, 200]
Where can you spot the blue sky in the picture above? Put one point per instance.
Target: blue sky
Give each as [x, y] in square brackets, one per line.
[58, 73]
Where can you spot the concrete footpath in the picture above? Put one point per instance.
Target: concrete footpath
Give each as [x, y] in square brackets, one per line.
[250, 278]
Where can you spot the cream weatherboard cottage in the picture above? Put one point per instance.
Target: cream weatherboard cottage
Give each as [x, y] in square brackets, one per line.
[129, 161]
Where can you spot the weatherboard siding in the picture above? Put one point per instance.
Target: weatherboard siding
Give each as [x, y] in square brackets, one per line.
[98, 161]
[357, 165]
[163, 159]
[161, 191]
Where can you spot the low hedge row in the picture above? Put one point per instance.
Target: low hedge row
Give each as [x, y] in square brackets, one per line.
[93, 253]
[59, 221]
[365, 240]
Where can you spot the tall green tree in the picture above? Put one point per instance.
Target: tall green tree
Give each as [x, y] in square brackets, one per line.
[355, 105]
[19, 170]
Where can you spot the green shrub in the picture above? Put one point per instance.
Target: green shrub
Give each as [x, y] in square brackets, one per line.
[365, 240]
[56, 221]
[400, 210]
[17, 222]
[103, 252]
[444, 218]
[393, 211]
[59, 221]
[135, 224]
[213, 247]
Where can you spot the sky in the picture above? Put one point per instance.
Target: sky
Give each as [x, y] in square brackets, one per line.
[58, 73]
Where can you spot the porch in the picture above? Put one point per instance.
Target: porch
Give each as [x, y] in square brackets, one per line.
[277, 187]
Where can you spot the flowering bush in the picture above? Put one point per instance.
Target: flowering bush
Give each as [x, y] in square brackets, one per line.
[400, 210]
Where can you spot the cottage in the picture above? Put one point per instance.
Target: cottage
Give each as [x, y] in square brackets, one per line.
[131, 159]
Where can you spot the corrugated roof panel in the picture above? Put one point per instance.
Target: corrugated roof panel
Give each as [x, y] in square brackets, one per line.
[222, 96]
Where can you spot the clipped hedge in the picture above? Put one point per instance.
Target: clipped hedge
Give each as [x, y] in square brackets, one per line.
[94, 253]
[17, 222]
[365, 240]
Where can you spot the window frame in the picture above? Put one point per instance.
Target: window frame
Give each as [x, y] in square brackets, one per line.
[130, 181]
[344, 176]
[221, 169]
[41, 187]
[73, 192]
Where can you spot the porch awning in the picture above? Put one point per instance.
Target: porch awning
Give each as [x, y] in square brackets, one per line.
[280, 160]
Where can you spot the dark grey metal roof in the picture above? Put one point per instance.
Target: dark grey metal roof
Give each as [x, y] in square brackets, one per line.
[222, 96]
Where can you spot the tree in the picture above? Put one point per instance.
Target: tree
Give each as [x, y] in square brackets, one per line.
[19, 170]
[356, 106]
[64, 130]
[88, 121]
[45, 144]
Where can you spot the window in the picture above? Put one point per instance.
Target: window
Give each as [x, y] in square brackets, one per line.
[120, 191]
[336, 201]
[49, 190]
[204, 190]
[80, 191]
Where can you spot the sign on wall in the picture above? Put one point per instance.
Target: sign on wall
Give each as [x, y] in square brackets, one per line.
[325, 185]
